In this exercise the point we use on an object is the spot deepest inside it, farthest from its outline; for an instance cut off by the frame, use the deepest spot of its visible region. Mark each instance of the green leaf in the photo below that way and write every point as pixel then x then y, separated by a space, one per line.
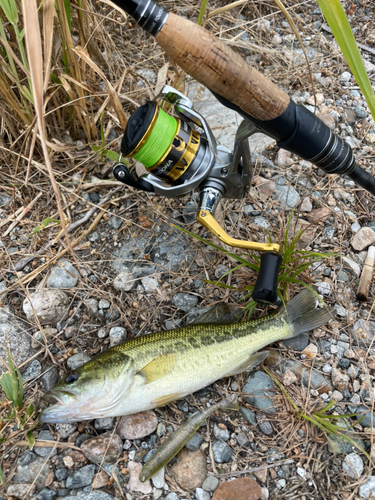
pixel 111 155
pixel 45 223
pixel 339 24
pixel 202 12
pixel 30 439
pixel 2 478
pixel 10 10
pixel 6 383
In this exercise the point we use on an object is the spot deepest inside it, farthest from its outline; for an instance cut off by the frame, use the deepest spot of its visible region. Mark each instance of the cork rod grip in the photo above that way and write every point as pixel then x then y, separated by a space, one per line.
pixel 212 63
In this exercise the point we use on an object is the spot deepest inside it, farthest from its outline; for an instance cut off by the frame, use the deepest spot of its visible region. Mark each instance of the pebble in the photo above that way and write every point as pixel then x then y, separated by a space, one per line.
pixel 61 474
pixel 360 111
pixel 81 477
pixel 222 434
pixel 100 480
pixel 368 417
pixel 105 448
pixel 339 380
pixel 171 496
pixel 50 306
pixel 77 360
pixel 185 301
pixel 323 288
pixel 298 343
pixel 150 284
pixel 306 205
pixel 221 270
pixel 92 495
pixel 105 423
pixel 242 440
pixel 210 483
pixel 124 281
pixel 327 368
pixel 104 304
pixel 201 494
pixel 353 266
pixel 46 494
pixel 190 469
pixel 288 196
pixel 262 222
pixel 32 371
pixel 63 275
pixel 337 396
pixel 222 452
pixel 257 386
pixel 5 200
pixel 20 490
pixel 367 489
pixel 137 426
pixel 283 158
pixel 158 479
pixel 194 442
pixel 115 222
pixel 248 415
pixel 92 305
pixel 134 482
pixel 45 451
pixel 117 334
pixel 50 378
pixel 353 466
pixel 289 378
pixel 264 425
pixel 364 238
pixel 238 489
pixel 277 40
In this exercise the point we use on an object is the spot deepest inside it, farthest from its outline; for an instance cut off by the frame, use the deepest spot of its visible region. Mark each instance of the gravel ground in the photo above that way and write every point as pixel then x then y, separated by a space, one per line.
pixel 135 274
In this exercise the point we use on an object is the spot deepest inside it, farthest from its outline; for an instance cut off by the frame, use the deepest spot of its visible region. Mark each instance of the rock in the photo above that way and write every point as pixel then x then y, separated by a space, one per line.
pixel 298 343
pixel 5 200
pixel 364 238
pixel 20 490
pixel 339 380
pixel 337 396
pixel 289 378
pixel 105 448
pixel 100 480
pixel 222 434
pixel 105 423
pixel 150 284
pixel 287 196
pixel 134 482
pixel 265 187
pixel 339 445
pixel 367 489
pixel 190 469
pixel 222 452
pixel 368 419
pixel 104 304
pixel 277 40
pixel 117 334
pixel 353 266
pixel 248 415
pixel 221 270
pixel 324 288
pixel 306 205
pixel 257 386
pixel 319 99
pixel 158 479
pixel 63 275
pixel 353 466
pixel 115 222
pixel 31 469
pixel 201 494
pixel 32 371
pixel 14 335
pixel 311 351
pixel 42 451
pixel 283 158
pixel 210 483
pixel 61 474
pixel 92 495
pixel 319 215
pixel 194 442
pixel 264 425
pixel 328 119
pixel 171 496
pixel 137 426
pixel 242 440
pixel 124 281
pixel 46 494
pixel 363 331
pixel 50 378
pixel 185 301
pixel 360 111
pixel 81 477
pixel 264 494
pixel 345 76
pixel 262 222
pixel 77 360
pixel 50 306
pixel 238 489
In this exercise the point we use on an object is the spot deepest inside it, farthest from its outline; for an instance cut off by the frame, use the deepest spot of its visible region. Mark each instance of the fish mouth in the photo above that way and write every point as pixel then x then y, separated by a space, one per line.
pixel 59 397
pixel 62 409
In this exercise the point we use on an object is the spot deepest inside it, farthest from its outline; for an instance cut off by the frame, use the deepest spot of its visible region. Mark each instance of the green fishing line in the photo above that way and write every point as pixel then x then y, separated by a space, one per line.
pixel 159 141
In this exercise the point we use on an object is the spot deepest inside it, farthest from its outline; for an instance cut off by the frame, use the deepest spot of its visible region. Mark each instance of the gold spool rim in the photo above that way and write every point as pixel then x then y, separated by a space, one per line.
pixel 170 147
pixel 143 141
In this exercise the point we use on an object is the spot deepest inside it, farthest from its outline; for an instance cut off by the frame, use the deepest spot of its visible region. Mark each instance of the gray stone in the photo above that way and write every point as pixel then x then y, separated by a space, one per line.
pixel 92 305
pixel 298 343
pixel 221 270
pixel 81 477
pixel 183 405
pixel 104 304
pixel 77 360
pixel 104 424
pixel 259 387
pixel 93 237
pixel 329 232
pixel 222 452
pixel 50 378
pixel 124 281
pixel 46 494
pixel 158 479
pixel 367 489
pixel 150 284
pixel 363 331
pixel 201 494
pixel 63 275
pixel 360 111
pixel 368 417
pixel 92 495
pixel 50 306
pixel 242 440
pixel 171 324
pixel 287 195
pixel 5 200
pixel 343 276
pixel 248 415
pixel 264 425
pixel 66 430
pixel 102 333
pixel 323 287
pixel 353 466
pixel 115 222
pixel 339 445
pixel 171 496
pixel 63 492
pixel 20 490
pixel 194 442
pixel 262 222
pixel 14 336
pixel 222 434
pixel 210 483
pixel 185 301
pixel 61 474
pixel 45 451
pixel 32 371
pixel 117 334
pixel 31 468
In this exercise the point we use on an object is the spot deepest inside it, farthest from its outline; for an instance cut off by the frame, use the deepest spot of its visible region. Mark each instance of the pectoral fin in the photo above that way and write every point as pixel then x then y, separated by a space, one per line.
pixel 158 368
pixel 249 363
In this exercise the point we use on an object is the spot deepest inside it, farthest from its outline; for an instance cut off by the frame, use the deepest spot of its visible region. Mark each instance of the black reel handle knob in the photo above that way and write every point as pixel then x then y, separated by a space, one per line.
pixel 265 289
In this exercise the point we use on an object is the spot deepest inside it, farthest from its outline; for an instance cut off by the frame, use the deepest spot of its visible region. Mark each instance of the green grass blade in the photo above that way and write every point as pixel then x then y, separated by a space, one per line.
pixel 202 12
pixel 339 24
pixel 2 478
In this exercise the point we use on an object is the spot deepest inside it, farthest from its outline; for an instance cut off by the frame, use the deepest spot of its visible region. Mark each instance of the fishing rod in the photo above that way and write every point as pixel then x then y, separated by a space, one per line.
pixel 181 159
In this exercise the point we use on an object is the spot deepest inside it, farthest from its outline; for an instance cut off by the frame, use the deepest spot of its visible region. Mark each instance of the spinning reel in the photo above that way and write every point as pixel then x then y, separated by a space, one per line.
pixel 180 159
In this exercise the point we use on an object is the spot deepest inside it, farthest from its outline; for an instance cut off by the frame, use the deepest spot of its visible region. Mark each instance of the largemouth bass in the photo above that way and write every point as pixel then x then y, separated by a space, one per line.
pixel 176 441
pixel 156 369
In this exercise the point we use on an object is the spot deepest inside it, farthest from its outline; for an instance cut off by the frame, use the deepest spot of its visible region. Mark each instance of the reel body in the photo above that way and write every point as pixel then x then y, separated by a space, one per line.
pixel 180 159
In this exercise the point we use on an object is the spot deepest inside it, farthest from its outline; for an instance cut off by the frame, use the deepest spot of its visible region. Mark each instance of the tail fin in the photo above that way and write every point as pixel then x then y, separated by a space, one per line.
pixel 302 315
pixel 230 403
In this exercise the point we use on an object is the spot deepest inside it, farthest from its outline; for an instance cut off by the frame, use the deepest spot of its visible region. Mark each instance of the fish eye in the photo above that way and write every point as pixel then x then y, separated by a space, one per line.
pixel 72 377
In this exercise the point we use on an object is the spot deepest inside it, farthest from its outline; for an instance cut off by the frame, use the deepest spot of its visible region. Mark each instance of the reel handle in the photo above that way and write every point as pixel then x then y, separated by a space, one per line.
pixel 265 289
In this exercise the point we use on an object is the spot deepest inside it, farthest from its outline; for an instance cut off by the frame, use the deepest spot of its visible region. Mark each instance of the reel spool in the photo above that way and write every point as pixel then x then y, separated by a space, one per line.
pixel 179 159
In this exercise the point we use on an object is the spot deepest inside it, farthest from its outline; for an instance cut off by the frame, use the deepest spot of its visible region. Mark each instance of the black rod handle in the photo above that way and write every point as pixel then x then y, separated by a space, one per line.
pixel 265 289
